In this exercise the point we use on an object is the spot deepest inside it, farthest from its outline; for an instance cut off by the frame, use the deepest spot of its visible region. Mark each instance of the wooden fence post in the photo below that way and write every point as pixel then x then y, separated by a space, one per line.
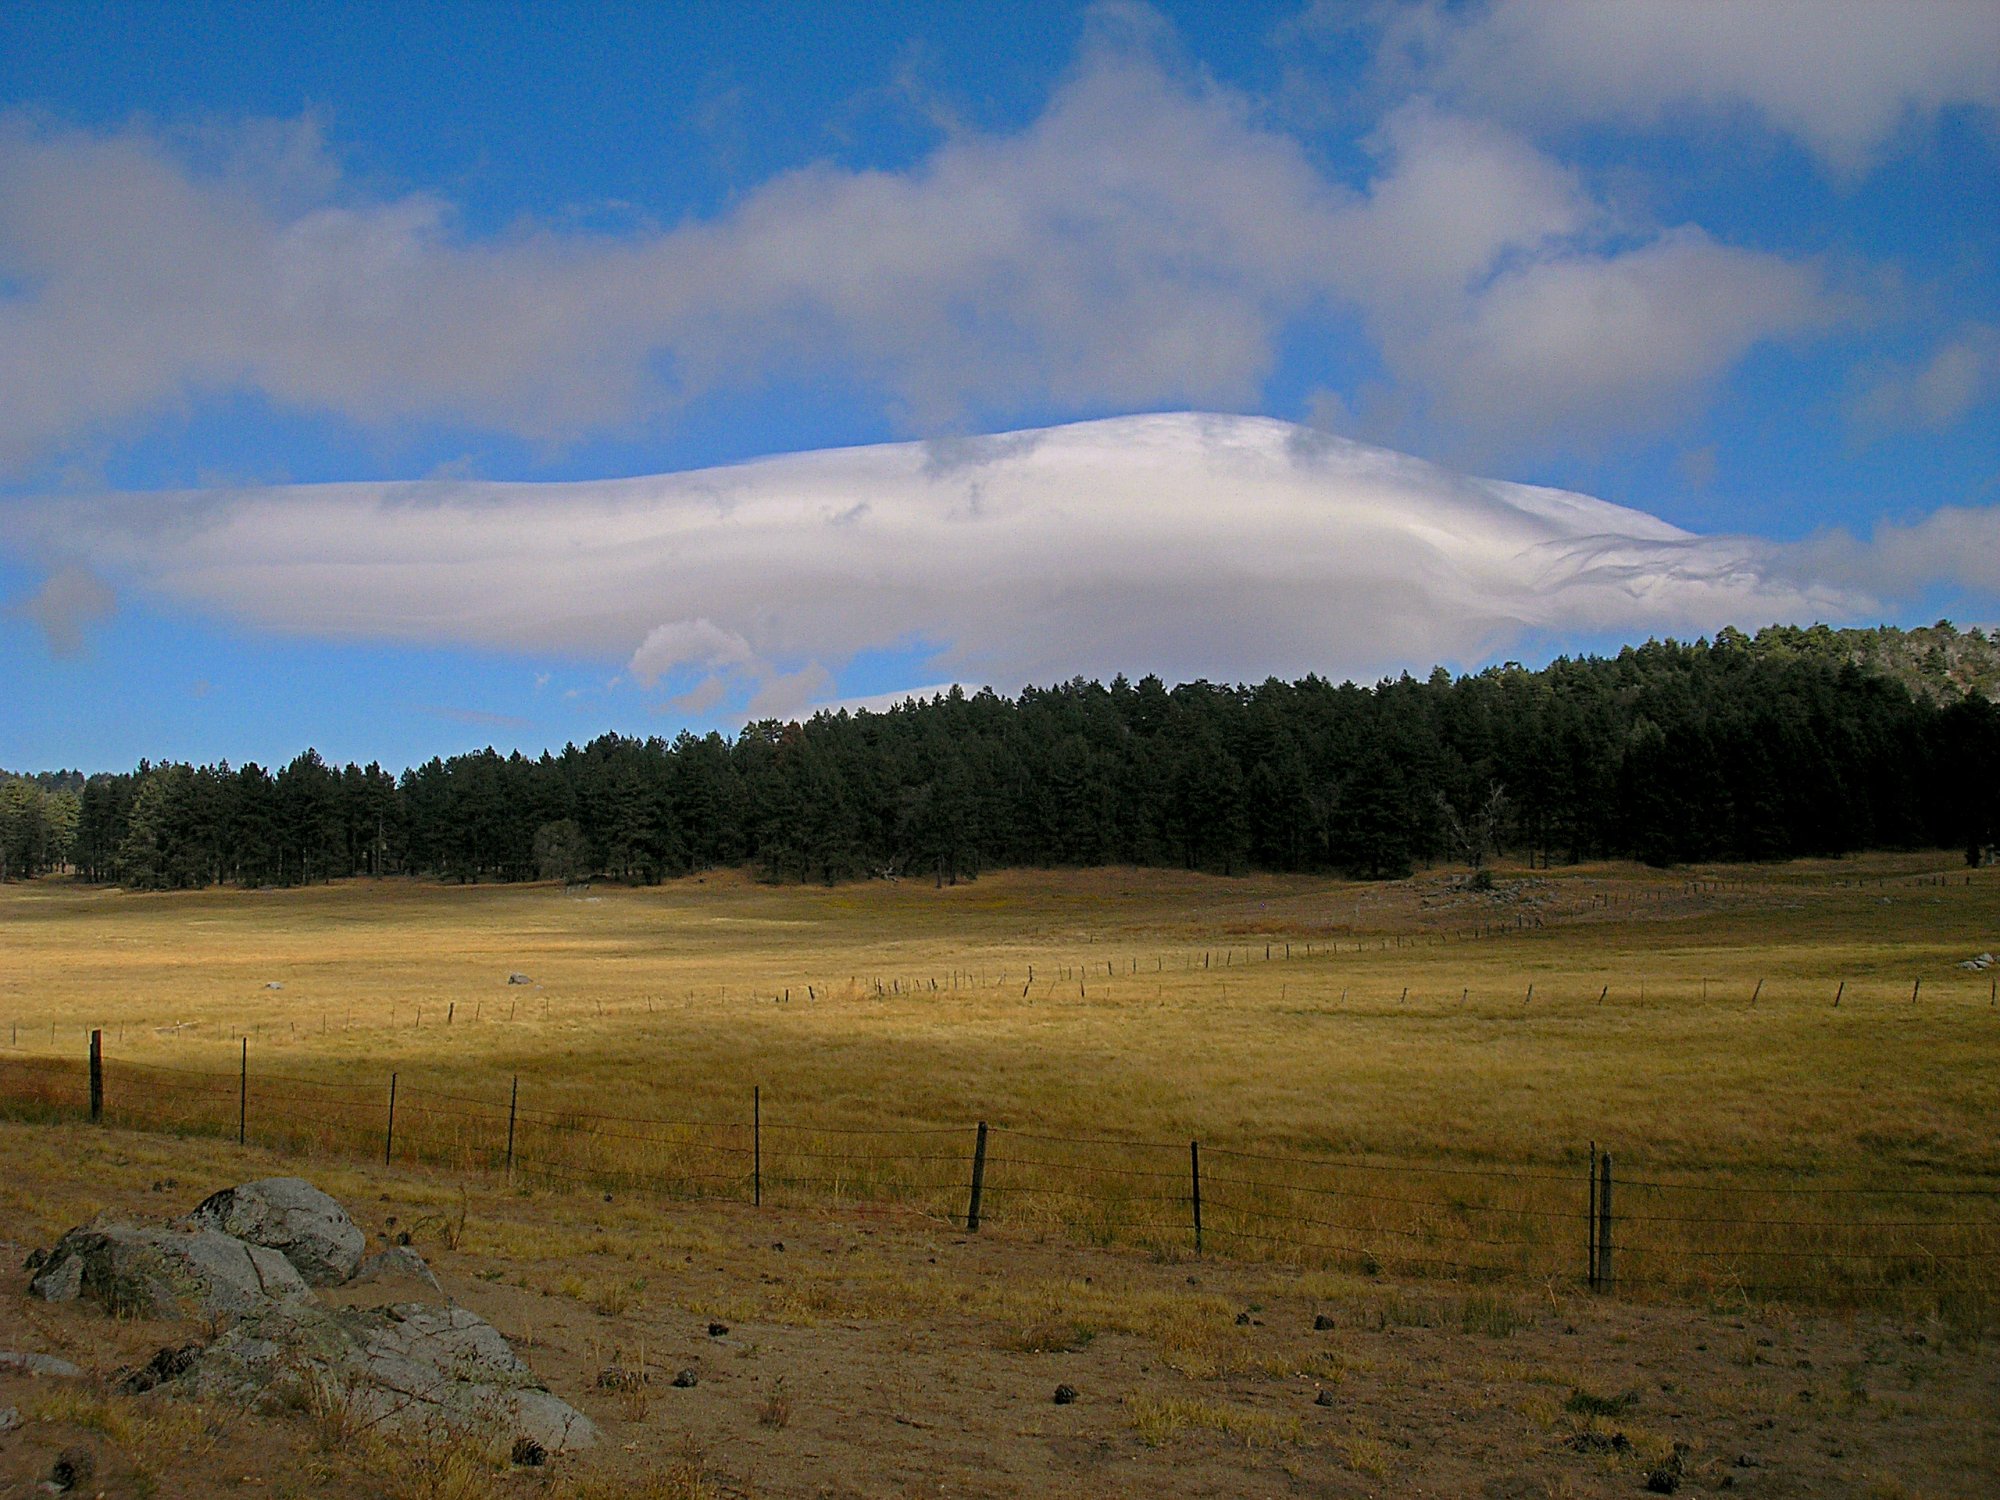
pixel 96 1077
pixel 389 1139
pixel 1194 1177
pixel 513 1105
pixel 243 1096
pixel 978 1179
pixel 1604 1274
pixel 757 1145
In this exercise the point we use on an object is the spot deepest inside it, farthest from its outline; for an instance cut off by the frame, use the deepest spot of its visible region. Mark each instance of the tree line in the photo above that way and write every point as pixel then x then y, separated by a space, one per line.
pixel 1741 748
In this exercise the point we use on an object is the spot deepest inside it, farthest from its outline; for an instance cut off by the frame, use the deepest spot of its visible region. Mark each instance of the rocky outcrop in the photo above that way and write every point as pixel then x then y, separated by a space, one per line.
pixel 243 1258
pixel 166 1271
pixel 294 1218
pixel 401 1368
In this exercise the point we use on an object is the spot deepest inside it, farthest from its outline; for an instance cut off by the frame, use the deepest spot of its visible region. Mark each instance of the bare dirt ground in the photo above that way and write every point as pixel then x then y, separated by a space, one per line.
pixel 879 1354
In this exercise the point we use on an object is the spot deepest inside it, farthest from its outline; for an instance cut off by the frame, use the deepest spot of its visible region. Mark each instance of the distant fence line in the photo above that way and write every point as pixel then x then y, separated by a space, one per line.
pixel 1916 1244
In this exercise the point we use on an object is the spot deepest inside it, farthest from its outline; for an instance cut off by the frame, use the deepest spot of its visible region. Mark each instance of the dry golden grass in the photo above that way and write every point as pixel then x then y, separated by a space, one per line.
pixel 1686 1021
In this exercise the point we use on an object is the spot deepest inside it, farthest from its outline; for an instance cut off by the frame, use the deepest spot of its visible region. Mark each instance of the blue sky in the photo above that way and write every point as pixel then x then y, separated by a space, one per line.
pixel 1734 266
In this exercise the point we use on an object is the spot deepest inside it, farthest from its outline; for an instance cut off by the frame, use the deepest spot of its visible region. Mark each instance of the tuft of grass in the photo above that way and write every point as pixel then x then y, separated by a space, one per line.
pixel 1583 1403
pixel 776 1409
pixel 1160 1420
pixel 82 1407
pixel 1492 1314
pixel 1048 1336
pixel 442 1463
pixel 684 1477
pixel 1365 1455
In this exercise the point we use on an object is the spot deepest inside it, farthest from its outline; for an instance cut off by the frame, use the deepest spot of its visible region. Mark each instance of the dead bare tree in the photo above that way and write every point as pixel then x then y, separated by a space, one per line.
pixel 1474 834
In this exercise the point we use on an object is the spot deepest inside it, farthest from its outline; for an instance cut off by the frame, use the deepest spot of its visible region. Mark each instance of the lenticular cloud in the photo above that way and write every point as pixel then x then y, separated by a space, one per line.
pixel 1223 547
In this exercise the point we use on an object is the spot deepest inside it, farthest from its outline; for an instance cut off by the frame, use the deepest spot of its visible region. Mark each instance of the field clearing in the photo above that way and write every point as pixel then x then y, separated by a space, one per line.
pixel 1686 1021
pixel 880 1354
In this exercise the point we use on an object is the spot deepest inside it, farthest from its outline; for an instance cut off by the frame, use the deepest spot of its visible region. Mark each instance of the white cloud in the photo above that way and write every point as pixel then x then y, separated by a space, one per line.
pixel 1496 286
pixel 1095 549
pixel 1599 344
pixel 1955 545
pixel 689 643
pixel 1145 241
pixel 1842 76
pixel 1961 374
pixel 70 600
pixel 881 703
pixel 788 695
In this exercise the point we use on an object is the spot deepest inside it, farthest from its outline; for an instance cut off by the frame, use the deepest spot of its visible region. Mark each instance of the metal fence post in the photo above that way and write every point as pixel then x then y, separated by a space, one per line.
pixel 1590 1215
pixel 389 1139
pixel 757 1145
pixel 243 1096
pixel 1605 1225
pixel 1194 1174
pixel 96 1077
pixel 513 1103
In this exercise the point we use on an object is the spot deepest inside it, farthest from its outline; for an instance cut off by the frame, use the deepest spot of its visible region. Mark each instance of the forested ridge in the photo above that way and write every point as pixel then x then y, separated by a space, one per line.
pixel 1740 748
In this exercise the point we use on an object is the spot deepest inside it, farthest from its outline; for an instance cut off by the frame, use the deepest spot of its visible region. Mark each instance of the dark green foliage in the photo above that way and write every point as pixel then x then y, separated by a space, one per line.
pixel 1741 749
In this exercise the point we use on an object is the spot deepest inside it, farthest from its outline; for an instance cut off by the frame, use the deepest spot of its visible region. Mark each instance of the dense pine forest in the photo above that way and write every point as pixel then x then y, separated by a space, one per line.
pixel 1794 742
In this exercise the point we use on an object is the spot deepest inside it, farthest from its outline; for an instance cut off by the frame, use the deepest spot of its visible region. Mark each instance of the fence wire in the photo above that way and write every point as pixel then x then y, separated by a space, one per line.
pixel 1912 1244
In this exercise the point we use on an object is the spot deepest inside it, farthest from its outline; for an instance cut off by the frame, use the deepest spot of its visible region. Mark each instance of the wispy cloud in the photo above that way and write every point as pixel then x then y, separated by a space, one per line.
pixel 70 601
pixel 475 716
pixel 1935 393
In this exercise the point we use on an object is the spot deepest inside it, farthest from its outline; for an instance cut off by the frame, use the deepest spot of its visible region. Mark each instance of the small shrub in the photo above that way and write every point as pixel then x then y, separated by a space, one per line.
pixel 777 1408
pixel 1584 1404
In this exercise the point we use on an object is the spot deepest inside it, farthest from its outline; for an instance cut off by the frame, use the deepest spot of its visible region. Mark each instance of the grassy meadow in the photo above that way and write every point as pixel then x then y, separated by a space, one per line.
pixel 1686 1021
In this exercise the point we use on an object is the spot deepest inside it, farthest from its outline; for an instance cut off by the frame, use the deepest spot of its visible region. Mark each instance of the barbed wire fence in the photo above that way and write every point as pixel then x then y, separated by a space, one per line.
pixel 1929 1246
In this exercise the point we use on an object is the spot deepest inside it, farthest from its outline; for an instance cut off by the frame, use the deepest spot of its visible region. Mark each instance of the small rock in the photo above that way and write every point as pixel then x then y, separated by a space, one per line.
pixel 272 984
pixel 1065 1394
pixel 519 979
pixel 36 1260
pixel 1322 1323
pixel 1243 1320
pixel 38 1364
pixel 1666 1478
pixel 398 1262
pixel 168 1363
pixel 1324 1398
pixel 718 1330
pixel 74 1467
pixel 687 1380
pixel 10 1418
pixel 529 1454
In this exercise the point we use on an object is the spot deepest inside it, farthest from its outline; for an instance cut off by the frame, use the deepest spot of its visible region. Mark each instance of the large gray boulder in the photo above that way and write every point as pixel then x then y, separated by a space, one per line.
pixel 407 1367
pixel 294 1218
pixel 166 1271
